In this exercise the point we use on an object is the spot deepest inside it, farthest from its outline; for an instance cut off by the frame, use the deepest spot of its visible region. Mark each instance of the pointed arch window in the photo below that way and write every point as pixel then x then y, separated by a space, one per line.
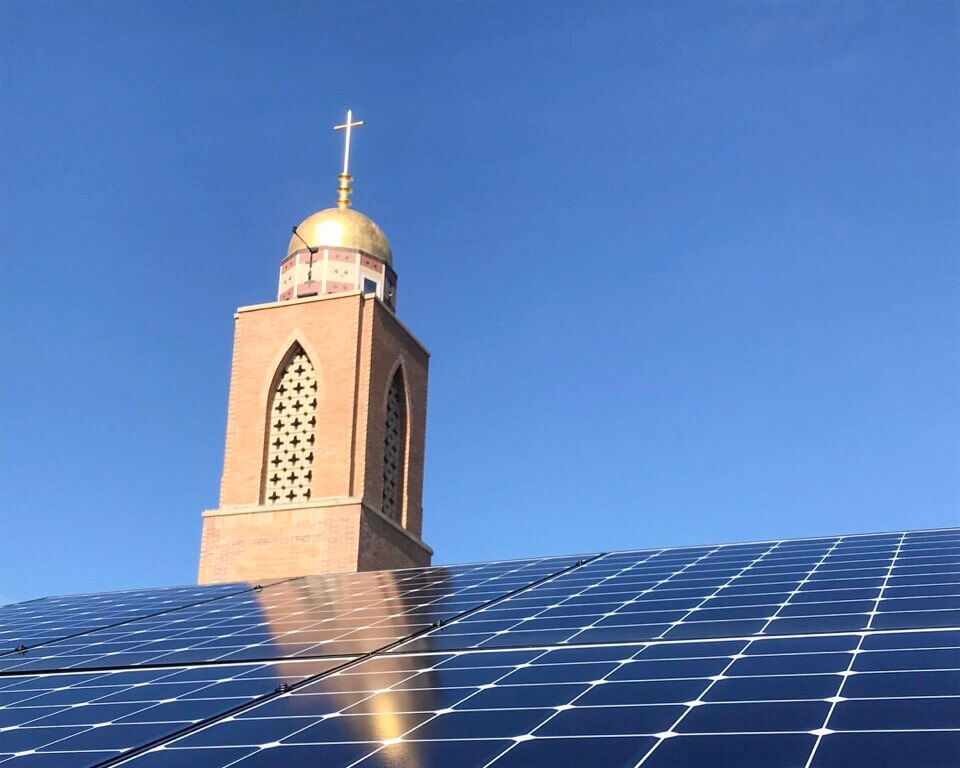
pixel 292 431
pixel 394 449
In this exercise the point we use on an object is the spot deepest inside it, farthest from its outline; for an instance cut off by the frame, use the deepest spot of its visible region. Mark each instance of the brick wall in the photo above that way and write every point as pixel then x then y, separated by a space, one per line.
pixel 355 345
pixel 266 543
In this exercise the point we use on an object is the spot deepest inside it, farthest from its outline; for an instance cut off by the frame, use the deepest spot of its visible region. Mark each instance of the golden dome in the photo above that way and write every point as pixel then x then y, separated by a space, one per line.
pixel 342 228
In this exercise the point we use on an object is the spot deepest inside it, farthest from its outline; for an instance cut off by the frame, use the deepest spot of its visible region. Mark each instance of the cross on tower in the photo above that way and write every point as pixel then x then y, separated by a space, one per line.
pixel 347 126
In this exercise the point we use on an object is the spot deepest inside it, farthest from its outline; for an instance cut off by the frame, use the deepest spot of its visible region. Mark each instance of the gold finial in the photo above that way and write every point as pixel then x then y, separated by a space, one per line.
pixel 344 190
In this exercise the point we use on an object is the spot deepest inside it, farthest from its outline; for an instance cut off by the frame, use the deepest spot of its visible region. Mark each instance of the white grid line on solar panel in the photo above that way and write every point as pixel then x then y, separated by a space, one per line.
pixel 68 652
pixel 257 604
pixel 678 576
pixel 100 715
pixel 861 548
pixel 886 580
pixel 753 596
pixel 745 607
pixel 823 728
pixel 861 537
pixel 861 540
pixel 386 701
pixel 800 585
pixel 49 618
pixel 315 615
pixel 598 567
pixel 699 606
pixel 122 606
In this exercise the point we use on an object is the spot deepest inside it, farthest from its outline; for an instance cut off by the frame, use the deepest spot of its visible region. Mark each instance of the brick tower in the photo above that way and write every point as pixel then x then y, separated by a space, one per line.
pixel 323 467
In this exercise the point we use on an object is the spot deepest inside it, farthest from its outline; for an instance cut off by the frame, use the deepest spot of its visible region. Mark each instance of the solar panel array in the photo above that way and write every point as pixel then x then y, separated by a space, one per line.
pixel 328 615
pixel 50 618
pixel 839 651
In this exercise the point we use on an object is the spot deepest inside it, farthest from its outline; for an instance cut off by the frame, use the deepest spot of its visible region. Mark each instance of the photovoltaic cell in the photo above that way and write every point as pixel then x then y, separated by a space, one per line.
pixel 839 584
pixel 51 618
pixel 79 719
pixel 744 702
pixel 329 615
pixel 839 651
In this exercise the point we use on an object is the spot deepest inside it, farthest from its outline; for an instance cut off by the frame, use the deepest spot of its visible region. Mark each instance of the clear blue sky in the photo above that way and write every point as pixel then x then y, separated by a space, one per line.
pixel 688 271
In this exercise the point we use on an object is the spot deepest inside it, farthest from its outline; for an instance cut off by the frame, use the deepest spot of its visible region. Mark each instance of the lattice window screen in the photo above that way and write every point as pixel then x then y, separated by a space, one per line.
pixel 394 443
pixel 292 435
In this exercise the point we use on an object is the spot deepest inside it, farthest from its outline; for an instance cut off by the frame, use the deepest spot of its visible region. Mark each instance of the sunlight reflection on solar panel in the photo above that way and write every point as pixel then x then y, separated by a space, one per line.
pixel 328 615
pixel 725 702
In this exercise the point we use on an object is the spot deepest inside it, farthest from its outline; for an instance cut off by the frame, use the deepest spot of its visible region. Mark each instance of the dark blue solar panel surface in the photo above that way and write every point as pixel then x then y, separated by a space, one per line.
pixel 839 584
pixel 80 719
pixel 329 615
pixel 52 618
pixel 744 702
pixel 841 651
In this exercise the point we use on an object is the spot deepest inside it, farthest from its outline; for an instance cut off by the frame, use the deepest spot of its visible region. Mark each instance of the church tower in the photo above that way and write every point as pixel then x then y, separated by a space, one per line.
pixel 323 467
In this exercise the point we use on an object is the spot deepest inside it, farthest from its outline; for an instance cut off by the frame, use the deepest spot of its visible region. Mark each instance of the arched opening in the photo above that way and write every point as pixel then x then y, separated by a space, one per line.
pixel 394 449
pixel 291 433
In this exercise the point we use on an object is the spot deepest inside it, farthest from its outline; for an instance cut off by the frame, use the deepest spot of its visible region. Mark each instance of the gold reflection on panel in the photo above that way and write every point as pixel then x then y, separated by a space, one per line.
pixel 301 613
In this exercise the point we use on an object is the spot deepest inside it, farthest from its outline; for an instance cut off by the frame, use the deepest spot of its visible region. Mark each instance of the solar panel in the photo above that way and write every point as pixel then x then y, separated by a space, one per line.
pixel 50 618
pixel 81 719
pixel 328 615
pixel 819 653
pixel 736 702
pixel 837 584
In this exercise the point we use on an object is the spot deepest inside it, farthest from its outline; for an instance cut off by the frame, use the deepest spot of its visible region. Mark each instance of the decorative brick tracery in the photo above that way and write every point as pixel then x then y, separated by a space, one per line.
pixel 292 432
pixel 394 449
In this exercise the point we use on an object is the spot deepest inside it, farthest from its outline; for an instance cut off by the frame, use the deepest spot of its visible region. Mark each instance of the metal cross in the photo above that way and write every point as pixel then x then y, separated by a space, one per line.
pixel 346 148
